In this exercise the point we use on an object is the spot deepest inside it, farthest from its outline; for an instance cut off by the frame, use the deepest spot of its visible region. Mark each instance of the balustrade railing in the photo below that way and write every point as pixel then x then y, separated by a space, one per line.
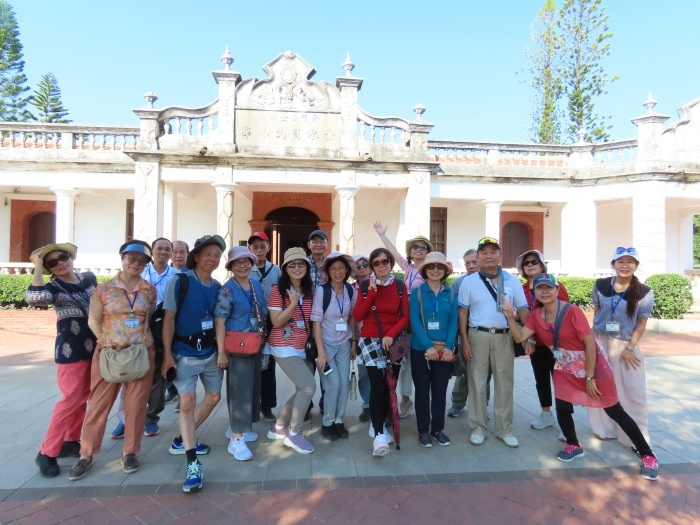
pixel 499 153
pixel 615 152
pixel 18 268
pixel 382 130
pixel 27 135
pixel 188 121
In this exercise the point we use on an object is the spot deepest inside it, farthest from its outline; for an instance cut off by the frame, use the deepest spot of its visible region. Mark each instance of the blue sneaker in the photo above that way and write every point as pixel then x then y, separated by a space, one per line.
pixel 151 429
pixel 118 432
pixel 195 474
pixel 177 447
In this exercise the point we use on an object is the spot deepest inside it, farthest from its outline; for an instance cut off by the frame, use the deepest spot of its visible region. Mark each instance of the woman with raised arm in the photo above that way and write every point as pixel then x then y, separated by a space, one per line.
pixel 582 375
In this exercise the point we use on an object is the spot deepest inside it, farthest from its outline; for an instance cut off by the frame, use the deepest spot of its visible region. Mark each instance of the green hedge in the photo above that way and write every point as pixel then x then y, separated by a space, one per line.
pixel 580 290
pixel 12 288
pixel 448 281
pixel 673 295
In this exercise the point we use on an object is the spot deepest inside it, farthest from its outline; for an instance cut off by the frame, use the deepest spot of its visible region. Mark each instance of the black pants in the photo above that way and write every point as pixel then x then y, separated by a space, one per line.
pixel 268 386
pixel 430 379
pixel 565 418
pixel 542 361
pixel 379 396
pixel 156 399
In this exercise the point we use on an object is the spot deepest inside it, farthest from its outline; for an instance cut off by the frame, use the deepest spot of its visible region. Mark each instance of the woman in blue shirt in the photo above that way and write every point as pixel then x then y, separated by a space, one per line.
pixel 433 307
pixel 240 307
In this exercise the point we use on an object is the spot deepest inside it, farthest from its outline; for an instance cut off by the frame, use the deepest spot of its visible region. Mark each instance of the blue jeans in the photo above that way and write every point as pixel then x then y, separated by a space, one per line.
pixel 430 379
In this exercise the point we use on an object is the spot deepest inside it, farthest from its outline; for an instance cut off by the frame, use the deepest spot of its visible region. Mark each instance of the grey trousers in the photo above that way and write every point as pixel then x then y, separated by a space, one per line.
pixel 336 385
pixel 300 372
pixel 156 399
pixel 243 392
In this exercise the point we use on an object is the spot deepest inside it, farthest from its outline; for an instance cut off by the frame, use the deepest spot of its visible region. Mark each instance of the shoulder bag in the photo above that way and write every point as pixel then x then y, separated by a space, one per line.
pixel 247 344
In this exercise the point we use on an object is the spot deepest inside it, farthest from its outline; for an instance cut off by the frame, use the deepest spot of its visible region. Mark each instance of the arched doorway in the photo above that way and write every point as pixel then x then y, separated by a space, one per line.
pixel 515 240
pixel 289 227
pixel 42 230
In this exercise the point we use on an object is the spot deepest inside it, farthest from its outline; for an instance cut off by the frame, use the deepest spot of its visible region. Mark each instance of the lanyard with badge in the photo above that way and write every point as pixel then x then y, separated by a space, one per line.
pixel 132 321
pixel 558 320
pixel 341 325
pixel 249 297
pixel 300 322
pixel 433 323
pixel 207 320
pixel 612 325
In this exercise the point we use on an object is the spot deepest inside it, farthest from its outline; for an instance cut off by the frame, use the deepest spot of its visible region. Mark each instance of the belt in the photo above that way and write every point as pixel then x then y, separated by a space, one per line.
pixel 491 330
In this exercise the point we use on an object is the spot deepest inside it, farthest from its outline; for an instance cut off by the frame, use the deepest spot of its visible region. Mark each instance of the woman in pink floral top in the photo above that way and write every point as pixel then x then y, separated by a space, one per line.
pixel 119 314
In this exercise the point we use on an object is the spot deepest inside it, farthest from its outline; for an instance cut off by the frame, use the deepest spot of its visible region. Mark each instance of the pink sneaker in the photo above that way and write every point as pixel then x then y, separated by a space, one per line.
pixel 650 468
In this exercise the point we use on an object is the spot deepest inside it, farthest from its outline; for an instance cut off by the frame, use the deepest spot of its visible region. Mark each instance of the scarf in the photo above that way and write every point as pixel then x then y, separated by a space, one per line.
pixel 499 289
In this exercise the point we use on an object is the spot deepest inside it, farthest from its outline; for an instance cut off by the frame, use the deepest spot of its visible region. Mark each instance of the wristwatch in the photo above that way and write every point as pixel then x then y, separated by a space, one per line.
pixel 590 378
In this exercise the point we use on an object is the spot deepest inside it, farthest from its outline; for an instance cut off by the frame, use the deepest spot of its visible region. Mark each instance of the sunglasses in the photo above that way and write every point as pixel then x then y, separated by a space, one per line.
pixel 299 264
pixel 362 266
pixel 134 259
pixel 383 262
pixel 620 251
pixel 531 262
pixel 434 266
pixel 421 247
pixel 63 257
pixel 487 240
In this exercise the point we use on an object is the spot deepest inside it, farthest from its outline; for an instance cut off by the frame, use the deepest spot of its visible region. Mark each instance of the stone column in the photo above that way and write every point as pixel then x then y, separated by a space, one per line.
pixel 150 129
pixel 224 221
pixel 685 259
pixel 493 219
pixel 346 230
pixel 169 211
pixel 649 225
pixel 349 86
pixel 419 135
pixel 65 213
pixel 649 128
pixel 227 81
pixel 416 209
pixel 148 202
pixel 578 237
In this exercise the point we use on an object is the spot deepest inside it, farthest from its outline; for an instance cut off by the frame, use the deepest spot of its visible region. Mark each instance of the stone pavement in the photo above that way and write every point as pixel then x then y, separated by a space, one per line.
pixel 342 483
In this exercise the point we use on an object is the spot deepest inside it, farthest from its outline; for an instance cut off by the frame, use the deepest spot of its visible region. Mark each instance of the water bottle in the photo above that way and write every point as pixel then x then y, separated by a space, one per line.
pixel 353 383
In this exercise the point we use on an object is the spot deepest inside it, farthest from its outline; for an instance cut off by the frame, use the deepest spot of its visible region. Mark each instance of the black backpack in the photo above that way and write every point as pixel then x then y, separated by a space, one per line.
pixel 159 313
pixel 327 294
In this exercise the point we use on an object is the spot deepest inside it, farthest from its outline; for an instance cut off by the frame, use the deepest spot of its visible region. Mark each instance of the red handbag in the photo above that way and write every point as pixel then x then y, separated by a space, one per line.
pixel 244 344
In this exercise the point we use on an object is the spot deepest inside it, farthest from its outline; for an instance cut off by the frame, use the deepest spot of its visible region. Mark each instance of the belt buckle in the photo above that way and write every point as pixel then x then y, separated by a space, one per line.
pixel 492 330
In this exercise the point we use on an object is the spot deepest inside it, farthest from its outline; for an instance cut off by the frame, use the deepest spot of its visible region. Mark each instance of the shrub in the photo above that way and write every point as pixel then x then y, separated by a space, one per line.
pixel 673 295
pixel 448 281
pixel 580 290
pixel 12 288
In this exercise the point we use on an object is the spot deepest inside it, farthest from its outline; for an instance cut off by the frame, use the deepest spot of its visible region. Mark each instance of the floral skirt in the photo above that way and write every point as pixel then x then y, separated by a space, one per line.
pixel 569 379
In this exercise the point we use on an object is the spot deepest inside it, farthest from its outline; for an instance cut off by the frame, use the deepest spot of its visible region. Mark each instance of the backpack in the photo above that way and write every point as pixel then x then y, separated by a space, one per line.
pixel 327 294
pixel 156 323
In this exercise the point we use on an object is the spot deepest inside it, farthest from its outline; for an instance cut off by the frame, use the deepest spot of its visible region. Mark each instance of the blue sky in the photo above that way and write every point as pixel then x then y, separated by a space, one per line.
pixel 458 58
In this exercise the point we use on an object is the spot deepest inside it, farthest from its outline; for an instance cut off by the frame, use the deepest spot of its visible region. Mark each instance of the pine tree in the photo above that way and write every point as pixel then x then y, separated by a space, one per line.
pixel 47 99
pixel 584 28
pixel 12 78
pixel 545 70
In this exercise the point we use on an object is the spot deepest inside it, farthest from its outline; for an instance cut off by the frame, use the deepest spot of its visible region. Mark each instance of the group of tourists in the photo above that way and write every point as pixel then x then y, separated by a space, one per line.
pixel 163 323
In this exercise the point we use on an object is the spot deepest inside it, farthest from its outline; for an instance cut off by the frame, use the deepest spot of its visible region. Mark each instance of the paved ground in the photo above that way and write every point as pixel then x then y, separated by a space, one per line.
pixel 342 483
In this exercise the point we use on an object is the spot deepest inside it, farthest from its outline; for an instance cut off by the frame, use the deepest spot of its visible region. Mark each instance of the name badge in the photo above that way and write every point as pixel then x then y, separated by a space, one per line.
pixel 558 354
pixel 253 322
pixel 341 326
pixel 433 325
pixel 131 322
pixel 300 324
pixel 207 324
pixel 612 326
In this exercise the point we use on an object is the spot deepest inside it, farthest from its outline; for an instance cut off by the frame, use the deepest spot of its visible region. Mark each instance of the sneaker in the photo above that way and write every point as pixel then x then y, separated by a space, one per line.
pixel 118 432
pixel 455 411
pixel 177 447
pixel 130 463
pixel 570 452
pixel 341 430
pixel 238 448
pixel 364 415
pixel 510 441
pixel 151 429
pixel 267 414
pixel 389 438
pixel 247 436
pixel 177 407
pixel 277 433
pixel 329 432
pixel 381 446
pixel 404 408
pixel 543 420
pixel 48 466
pixel 70 449
pixel 171 397
pixel 425 441
pixel 79 469
pixel 195 475
pixel 476 439
pixel 298 442
pixel 440 437
pixel 650 468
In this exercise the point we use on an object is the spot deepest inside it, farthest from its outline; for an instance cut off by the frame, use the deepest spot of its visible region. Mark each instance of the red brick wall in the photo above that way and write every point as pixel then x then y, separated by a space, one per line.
pixel 21 213
pixel 534 221
pixel 30 321
pixel 265 202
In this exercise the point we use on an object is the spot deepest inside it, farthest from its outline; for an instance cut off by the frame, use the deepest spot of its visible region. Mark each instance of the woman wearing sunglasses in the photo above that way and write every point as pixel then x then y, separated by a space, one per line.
pixel 70 294
pixel 417 248
pixel 290 306
pixel 530 265
pixel 622 306
pixel 381 324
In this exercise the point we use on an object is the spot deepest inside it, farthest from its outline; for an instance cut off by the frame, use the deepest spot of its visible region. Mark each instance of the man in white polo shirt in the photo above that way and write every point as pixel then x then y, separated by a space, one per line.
pixel 487 341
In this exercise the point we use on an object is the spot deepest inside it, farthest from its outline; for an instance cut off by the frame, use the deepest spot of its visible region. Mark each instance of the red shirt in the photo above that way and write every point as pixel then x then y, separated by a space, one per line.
pixel 573 328
pixel 296 336
pixel 386 301
pixel 533 303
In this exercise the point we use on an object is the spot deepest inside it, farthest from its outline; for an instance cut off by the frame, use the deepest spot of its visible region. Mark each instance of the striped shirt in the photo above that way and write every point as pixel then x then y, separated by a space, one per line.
pixel 290 339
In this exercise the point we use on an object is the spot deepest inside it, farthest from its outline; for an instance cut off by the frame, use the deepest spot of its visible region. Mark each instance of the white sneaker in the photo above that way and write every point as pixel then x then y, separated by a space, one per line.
pixel 381 446
pixel 476 439
pixel 247 436
pixel 239 450
pixel 544 420
pixel 405 408
pixel 389 438
pixel 510 441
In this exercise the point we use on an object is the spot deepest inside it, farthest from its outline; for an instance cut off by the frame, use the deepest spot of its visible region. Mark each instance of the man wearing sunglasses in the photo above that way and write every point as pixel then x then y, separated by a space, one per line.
pixel 486 341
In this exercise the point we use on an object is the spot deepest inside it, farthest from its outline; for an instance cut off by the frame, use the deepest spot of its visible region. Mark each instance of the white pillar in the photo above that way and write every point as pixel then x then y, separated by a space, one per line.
pixel 685 235
pixel 65 213
pixel 346 224
pixel 578 237
pixel 224 219
pixel 415 218
pixel 649 225
pixel 148 202
pixel 493 219
pixel 169 211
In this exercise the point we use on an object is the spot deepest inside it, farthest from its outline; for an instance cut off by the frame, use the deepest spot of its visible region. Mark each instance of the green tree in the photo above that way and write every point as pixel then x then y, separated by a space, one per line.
pixel 12 78
pixel 584 27
pixel 47 100
pixel 696 241
pixel 545 69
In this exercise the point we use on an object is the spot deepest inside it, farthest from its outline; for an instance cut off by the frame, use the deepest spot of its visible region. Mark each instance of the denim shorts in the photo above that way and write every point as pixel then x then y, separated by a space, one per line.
pixel 191 368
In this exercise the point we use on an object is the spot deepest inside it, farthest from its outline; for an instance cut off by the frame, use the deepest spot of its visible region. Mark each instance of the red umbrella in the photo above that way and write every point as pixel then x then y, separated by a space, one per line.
pixel 391 378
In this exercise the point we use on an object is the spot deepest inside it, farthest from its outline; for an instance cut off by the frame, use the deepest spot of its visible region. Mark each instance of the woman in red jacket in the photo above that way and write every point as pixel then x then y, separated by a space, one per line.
pixel 379 312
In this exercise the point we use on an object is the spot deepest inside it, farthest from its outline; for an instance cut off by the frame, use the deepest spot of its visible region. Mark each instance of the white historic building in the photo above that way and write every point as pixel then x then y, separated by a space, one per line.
pixel 287 154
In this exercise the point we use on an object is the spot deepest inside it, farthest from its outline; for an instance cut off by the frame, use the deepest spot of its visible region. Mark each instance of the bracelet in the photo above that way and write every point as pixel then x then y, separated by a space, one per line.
pixel 532 341
pixel 590 378
pixel 628 348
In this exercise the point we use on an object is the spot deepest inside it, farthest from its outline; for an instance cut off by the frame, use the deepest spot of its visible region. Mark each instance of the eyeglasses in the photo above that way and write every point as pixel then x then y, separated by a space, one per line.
pixel 531 262
pixel 135 259
pixel 487 240
pixel 62 257
pixel 299 264
pixel 362 266
pixel 620 251
pixel 421 247
pixel 241 262
pixel 434 266
pixel 383 262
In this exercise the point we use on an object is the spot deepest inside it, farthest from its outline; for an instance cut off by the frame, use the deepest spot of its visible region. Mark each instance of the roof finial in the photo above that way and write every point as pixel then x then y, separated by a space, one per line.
pixel 227 59
pixel 419 110
pixel 582 132
pixel 649 103
pixel 150 98
pixel 348 66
